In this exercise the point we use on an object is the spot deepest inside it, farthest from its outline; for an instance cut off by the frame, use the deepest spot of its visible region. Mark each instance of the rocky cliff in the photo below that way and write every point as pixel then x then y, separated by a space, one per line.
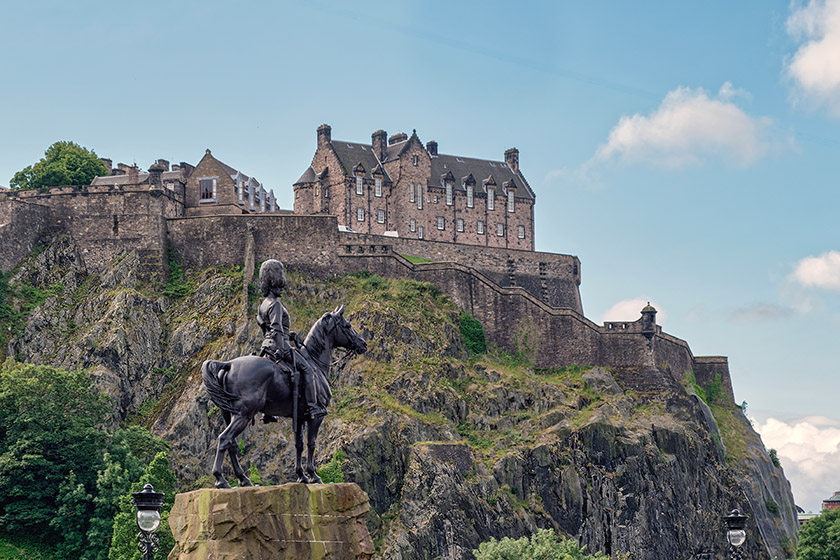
pixel 451 448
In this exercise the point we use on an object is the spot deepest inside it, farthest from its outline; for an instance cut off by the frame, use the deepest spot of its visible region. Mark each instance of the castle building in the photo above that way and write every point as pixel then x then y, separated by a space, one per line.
pixel 214 187
pixel 398 187
pixel 832 502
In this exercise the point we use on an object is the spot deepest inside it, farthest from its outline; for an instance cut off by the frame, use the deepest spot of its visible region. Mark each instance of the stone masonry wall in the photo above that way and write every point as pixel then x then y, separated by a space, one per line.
pixel 706 368
pixel 21 226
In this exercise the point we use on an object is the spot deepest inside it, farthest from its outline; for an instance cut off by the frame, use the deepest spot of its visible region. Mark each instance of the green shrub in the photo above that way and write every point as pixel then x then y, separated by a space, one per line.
pixel 819 538
pixel 473 334
pixel 774 457
pixel 772 507
pixel 332 471
pixel 542 545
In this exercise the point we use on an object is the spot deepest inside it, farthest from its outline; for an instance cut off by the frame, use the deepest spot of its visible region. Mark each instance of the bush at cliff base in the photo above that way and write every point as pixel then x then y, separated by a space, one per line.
pixel 819 538
pixel 542 545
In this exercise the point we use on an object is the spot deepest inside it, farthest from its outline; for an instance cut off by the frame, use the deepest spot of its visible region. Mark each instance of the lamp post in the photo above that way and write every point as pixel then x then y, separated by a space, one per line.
pixel 148 504
pixel 735 534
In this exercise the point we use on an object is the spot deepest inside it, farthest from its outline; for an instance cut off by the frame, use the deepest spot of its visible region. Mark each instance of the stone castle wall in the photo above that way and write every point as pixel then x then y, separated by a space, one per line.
pixel 22 225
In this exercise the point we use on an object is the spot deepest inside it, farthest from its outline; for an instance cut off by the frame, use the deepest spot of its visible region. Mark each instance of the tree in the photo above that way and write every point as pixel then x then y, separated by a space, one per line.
pixel 542 545
pixel 64 163
pixel 819 538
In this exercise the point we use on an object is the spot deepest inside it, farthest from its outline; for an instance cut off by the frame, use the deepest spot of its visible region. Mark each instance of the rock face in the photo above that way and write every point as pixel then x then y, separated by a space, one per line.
pixel 451 449
pixel 292 521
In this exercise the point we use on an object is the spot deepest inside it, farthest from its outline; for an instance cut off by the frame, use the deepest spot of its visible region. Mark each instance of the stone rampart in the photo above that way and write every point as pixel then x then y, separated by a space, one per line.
pixel 22 225
pixel 706 370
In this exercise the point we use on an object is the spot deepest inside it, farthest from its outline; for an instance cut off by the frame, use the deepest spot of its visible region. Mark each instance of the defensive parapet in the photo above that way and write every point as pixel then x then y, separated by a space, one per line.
pixel 22 225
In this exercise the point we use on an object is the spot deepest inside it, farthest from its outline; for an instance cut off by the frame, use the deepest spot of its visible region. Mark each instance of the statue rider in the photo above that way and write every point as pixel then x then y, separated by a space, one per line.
pixel 273 319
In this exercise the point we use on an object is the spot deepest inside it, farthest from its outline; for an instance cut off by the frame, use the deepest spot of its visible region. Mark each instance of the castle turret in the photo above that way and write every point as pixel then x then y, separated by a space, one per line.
pixel 649 320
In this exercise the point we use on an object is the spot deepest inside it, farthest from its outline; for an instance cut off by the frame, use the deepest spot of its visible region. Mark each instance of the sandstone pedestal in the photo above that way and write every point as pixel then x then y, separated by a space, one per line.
pixel 292 521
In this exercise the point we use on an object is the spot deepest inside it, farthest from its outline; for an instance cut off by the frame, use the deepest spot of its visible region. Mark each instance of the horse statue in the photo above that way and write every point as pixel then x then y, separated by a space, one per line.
pixel 248 385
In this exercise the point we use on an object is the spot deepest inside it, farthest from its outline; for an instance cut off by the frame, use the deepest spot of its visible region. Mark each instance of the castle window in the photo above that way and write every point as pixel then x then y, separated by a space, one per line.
pixel 491 199
pixel 378 187
pixel 510 200
pixel 434 199
pixel 207 189
pixel 415 159
pixel 327 192
pixel 420 232
pixel 419 196
pixel 411 193
pixel 449 194
pixel 470 195
pixel 360 214
pixel 412 226
pixel 479 229
pixel 500 230
pixel 380 216
pixel 521 232
pixel 359 186
pixel 459 224
pixel 441 223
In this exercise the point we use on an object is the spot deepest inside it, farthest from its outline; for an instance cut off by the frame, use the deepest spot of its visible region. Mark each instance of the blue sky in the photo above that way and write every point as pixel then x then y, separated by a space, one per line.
pixel 687 153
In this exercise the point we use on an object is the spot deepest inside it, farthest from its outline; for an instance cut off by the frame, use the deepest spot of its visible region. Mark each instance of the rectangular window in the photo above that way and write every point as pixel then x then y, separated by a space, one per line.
pixel 420 232
pixel 412 226
pixel 521 232
pixel 411 192
pixel 449 194
pixel 415 160
pixel 378 187
pixel 459 224
pixel 500 230
pixel 491 199
pixel 207 188
pixel 510 201
pixel 434 199
pixel 359 186
pixel 360 214
pixel 480 228
pixel 470 201
pixel 326 192
pixel 419 196
pixel 380 216
pixel 440 222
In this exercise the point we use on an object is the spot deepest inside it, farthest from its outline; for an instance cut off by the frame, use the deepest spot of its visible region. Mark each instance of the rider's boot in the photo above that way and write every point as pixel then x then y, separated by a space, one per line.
pixel 313 409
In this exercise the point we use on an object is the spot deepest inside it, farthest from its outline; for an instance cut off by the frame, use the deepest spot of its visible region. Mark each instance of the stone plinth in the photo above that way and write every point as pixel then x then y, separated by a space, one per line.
pixel 294 521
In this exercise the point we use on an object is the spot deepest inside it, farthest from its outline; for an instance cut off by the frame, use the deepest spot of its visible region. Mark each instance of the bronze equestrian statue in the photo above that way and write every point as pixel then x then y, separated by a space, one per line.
pixel 246 386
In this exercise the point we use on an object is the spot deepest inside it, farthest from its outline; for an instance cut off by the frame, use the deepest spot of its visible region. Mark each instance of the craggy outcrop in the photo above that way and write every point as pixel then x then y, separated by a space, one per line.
pixel 451 449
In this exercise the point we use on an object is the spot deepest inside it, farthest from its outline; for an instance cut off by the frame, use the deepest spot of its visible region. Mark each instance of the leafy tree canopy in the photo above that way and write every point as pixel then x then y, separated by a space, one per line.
pixel 542 545
pixel 64 163
pixel 819 538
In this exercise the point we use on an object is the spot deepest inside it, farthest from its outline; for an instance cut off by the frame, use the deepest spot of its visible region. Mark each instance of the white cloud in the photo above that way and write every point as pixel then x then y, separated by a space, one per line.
pixel 688 127
pixel 815 66
pixel 809 450
pixel 631 310
pixel 819 272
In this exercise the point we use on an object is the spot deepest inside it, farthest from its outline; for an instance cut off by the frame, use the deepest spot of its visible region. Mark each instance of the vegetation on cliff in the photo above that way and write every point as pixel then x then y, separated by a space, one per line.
pixel 64 163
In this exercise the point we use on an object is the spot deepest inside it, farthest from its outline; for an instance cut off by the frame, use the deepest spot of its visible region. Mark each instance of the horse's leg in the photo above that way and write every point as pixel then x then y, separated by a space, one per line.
pixel 220 456
pixel 227 440
pixel 243 479
pixel 301 477
pixel 311 437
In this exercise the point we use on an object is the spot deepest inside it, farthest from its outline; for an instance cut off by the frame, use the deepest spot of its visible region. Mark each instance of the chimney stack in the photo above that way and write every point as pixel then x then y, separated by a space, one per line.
pixel 164 163
pixel 324 135
pixel 132 174
pixel 155 173
pixel 398 137
pixel 122 169
pixel 378 141
pixel 512 159
pixel 431 147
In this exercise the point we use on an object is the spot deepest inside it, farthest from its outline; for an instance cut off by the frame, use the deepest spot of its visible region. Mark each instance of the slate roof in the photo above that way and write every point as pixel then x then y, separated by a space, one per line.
pixel 142 177
pixel 309 176
pixel 835 497
pixel 481 169
pixel 350 154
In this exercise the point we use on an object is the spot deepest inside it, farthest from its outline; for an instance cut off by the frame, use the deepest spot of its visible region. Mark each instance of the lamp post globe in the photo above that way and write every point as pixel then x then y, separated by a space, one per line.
pixel 148 504
pixel 735 533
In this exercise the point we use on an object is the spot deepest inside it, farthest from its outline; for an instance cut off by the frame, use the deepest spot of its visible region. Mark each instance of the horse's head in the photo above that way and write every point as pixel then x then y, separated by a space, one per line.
pixel 344 335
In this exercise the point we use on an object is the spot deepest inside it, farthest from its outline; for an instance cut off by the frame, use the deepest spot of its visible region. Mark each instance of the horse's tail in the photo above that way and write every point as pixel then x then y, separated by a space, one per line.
pixel 210 370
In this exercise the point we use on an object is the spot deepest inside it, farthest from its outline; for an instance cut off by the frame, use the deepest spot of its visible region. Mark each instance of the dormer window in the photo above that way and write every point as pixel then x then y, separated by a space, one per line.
pixel 449 194
pixel 359 185
pixel 377 187
pixel 470 196
pixel 510 200
pixel 491 199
